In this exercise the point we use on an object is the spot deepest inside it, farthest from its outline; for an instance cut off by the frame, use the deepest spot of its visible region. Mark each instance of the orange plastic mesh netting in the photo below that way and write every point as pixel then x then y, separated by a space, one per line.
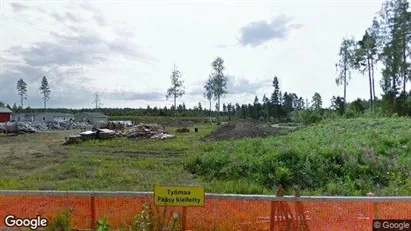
pixel 217 214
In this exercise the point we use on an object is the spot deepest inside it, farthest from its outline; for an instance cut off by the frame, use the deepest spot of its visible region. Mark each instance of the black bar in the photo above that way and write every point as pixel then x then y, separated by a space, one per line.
pixel 391 225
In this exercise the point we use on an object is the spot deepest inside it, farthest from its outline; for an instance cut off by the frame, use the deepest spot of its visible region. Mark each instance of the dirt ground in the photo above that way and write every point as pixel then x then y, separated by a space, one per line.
pixel 245 129
pixel 27 154
pixel 40 161
pixel 41 142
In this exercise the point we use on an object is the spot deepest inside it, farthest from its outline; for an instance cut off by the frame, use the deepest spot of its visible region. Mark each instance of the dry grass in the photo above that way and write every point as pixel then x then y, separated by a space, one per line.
pixel 39 161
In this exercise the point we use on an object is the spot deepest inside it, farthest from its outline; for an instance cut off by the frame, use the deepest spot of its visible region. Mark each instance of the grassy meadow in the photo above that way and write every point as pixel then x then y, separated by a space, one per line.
pixel 341 157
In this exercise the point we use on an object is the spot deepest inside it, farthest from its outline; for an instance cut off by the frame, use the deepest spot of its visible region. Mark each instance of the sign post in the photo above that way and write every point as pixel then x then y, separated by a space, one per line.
pixel 179 196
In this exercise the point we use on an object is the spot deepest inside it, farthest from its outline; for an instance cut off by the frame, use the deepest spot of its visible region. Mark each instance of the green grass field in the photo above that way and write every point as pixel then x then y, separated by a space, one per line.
pixel 341 157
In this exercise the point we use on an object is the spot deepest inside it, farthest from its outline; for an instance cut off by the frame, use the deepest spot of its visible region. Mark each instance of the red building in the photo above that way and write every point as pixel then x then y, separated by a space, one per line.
pixel 4 114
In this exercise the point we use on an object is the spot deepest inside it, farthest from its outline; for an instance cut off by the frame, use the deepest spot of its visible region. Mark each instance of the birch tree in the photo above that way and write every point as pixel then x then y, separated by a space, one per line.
pixel 177 89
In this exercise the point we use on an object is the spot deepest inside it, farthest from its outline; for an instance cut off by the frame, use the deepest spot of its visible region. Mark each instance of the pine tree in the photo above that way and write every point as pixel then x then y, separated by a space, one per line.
pixel 276 97
pixel 22 90
pixel 346 63
pixel 45 90
pixel 317 101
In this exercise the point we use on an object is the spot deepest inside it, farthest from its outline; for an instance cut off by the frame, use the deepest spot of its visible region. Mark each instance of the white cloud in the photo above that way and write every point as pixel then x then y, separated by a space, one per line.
pixel 259 32
pixel 127 51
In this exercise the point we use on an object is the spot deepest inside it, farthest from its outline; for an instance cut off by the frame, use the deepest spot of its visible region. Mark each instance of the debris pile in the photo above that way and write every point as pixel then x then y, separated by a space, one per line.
pixel 146 131
pixel 30 127
pixel 73 139
pixel 93 134
pixel 139 131
pixel 121 123
pixel 99 134
pixel 113 126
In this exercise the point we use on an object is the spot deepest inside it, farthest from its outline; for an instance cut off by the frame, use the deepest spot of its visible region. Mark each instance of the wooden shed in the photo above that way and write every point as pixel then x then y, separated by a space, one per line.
pixel 5 114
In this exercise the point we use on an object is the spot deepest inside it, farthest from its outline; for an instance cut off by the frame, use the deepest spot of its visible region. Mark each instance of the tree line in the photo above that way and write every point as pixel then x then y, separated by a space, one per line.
pixel 278 106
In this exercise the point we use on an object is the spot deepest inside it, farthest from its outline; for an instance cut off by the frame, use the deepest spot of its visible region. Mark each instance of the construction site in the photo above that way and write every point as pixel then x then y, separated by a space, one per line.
pixel 210 116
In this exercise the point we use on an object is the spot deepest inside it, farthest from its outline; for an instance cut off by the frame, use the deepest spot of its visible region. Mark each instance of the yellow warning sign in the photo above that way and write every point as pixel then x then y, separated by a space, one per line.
pixel 186 196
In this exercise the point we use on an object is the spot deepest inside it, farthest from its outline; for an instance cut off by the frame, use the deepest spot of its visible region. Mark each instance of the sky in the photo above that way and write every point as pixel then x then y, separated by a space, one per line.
pixel 126 50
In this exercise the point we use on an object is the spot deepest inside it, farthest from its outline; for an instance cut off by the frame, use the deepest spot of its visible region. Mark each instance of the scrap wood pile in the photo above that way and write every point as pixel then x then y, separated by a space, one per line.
pixel 115 125
pixel 139 131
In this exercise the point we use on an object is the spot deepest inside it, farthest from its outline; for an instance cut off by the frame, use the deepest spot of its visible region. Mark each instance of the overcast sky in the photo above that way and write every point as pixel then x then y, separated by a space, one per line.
pixel 126 50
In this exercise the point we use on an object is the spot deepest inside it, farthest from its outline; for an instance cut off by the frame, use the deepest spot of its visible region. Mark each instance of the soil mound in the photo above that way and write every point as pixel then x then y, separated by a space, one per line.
pixel 244 129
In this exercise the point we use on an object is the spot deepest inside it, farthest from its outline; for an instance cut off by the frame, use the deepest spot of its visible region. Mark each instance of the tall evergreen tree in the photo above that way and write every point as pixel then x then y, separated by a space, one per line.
pixel 22 90
pixel 317 101
pixel 45 90
pixel 256 108
pixel 238 110
pixel 229 109
pixel 288 102
pixel 266 105
pixel 276 97
pixel 394 31
pixel 346 63
pixel 365 60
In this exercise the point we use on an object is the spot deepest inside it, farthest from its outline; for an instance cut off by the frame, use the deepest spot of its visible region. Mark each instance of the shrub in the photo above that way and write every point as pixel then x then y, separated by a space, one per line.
pixel 361 154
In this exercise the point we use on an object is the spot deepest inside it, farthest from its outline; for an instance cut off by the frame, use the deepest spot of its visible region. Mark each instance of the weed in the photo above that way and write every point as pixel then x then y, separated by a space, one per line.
pixel 61 222
pixel 149 220
pixel 103 225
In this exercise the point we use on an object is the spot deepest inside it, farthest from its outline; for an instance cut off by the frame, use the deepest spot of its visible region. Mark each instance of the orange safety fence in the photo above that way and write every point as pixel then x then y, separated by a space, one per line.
pixel 221 212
